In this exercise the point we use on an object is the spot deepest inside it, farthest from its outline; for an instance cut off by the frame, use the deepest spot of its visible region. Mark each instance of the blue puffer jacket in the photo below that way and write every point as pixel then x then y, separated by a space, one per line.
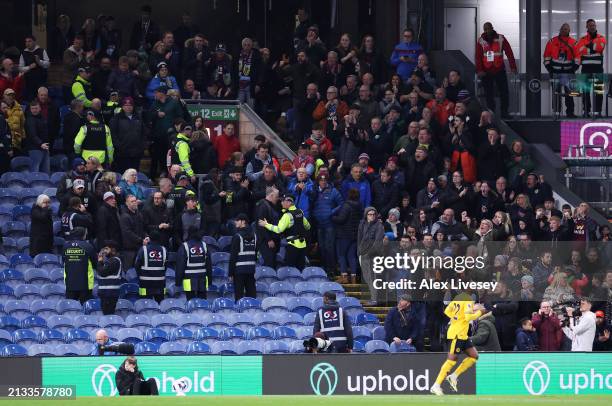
pixel 156 82
pixel 326 203
pixel 412 50
pixel 302 197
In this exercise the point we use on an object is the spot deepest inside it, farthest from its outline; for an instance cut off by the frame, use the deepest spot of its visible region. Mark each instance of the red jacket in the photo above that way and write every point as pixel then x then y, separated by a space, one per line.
pixel 561 56
pixel 225 147
pixel 325 145
pixel 591 57
pixel 497 47
pixel 441 111
pixel 15 83
pixel 549 332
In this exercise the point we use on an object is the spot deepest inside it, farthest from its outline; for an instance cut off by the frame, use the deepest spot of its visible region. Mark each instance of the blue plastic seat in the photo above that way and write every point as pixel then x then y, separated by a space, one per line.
pixel 146 307
pixel 21 164
pixel 248 305
pixel 378 333
pixel 41 350
pixel 223 348
pixel 227 291
pixel 28 292
pixel 358 347
pixel 198 306
pixel 86 348
pixel 124 307
pixel 223 305
pixel 34 323
pixel 22 213
pixel 39 180
pixel 60 322
pixel 17 308
pixel 129 335
pixel 289 274
pixel 206 334
pixel 283 332
pixel 332 287
pixel 36 276
pixel 156 335
pixel 8 197
pixel 9 323
pixel 267 320
pixel 23 245
pixel 303 332
pixel 310 318
pixel 56 177
pixel 307 289
pixel 292 320
pixel 13 180
pixel 220 276
pixel 249 348
pixel 172 348
pixel 181 334
pixel 146 348
pixel 138 320
pixel 27 197
pixel 367 320
pixel 314 274
pixel 215 320
pixel 299 305
pixel 25 337
pixel 374 346
pixel 198 347
pixel 87 322
pixel 401 347
pixel 190 321
pixel 47 261
pixel 265 274
pixel 77 336
pixel 56 275
pixel 21 263
pixel 296 347
pixel 129 291
pixel 13 350
pixel 240 320
pixel 165 322
pixel 276 347
pixel 219 258
pixel 69 307
pixel 224 243
pixel 172 306
pixel 282 289
pixel 6 292
pixel 53 291
pixel 93 306
pixel 258 333
pixel 66 349
pixel 362 334
pixel 9 245
pixel 111 321
pixel 231 334
pixel 5 337
pixel 274 304
pixel 11 277
pixel 262 289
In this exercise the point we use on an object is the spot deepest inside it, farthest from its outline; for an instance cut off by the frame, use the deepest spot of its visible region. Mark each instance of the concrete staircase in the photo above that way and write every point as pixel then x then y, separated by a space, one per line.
pixel 361 292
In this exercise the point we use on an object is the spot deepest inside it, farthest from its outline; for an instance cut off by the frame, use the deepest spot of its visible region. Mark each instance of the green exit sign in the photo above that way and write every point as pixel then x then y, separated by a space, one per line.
pixel 212 112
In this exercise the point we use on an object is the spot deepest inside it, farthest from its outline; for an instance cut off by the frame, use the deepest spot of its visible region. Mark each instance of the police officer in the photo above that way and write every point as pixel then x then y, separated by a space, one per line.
pixel 193 265
pixel 292 225
pixel 94 139
pixel 76 216
pixel 180 192
pixel 243 258
pixel 562 60
pixel 150 266
pixel 109 276
pixel 180 149
pixel 332 321
pixel 81 87
pixel 79 259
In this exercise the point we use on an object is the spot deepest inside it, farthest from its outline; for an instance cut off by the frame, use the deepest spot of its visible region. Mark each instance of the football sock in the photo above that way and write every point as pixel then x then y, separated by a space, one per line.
pixel 446 368
pixel 465 365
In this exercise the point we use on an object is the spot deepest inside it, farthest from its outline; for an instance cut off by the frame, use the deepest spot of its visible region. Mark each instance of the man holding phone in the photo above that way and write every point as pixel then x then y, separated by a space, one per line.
pixel 130 380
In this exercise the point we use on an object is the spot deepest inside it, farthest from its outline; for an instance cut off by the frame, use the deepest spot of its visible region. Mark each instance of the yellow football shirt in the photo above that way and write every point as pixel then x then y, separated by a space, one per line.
pixel 460 312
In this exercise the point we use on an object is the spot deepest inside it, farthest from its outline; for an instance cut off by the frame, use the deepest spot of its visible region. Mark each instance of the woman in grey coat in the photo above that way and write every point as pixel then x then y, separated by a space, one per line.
pixel 370 237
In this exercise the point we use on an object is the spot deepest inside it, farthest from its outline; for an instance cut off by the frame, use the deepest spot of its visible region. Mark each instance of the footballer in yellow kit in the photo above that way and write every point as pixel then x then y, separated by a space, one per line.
pixel 460 311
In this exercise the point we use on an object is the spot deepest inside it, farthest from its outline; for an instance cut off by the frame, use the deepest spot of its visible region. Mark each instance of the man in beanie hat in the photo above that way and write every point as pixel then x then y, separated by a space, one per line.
pixel 294 226
pixel 127 129
pixel 79 171
pixel 163 78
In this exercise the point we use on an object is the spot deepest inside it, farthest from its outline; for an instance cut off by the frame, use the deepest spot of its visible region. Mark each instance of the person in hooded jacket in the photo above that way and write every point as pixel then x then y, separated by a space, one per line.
pixel 203 156
pixel 526 336
pixel 370 237
pixel 130 380
pixel 485 335
pixel 128 133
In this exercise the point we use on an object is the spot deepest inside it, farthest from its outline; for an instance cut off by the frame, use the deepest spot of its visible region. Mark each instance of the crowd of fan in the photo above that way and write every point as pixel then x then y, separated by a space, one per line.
pixel 387 150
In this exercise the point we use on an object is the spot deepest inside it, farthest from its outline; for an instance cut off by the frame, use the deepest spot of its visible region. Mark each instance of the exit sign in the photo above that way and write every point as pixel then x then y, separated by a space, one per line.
pixel 214 112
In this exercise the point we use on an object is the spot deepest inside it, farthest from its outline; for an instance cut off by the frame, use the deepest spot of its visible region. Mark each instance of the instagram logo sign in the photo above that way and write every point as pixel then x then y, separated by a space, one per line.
pixel 586 133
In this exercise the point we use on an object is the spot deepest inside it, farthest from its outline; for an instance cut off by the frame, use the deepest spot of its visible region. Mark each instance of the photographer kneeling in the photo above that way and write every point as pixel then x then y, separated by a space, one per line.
pixel 130 380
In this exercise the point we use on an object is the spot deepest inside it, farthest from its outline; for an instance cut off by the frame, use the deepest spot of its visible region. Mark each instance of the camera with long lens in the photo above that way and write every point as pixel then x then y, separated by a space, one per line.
pixel 119 348
pixel 317 344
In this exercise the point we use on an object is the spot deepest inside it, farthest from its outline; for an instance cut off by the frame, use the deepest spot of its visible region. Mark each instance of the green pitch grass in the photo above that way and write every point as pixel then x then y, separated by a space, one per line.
pixel 333 401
